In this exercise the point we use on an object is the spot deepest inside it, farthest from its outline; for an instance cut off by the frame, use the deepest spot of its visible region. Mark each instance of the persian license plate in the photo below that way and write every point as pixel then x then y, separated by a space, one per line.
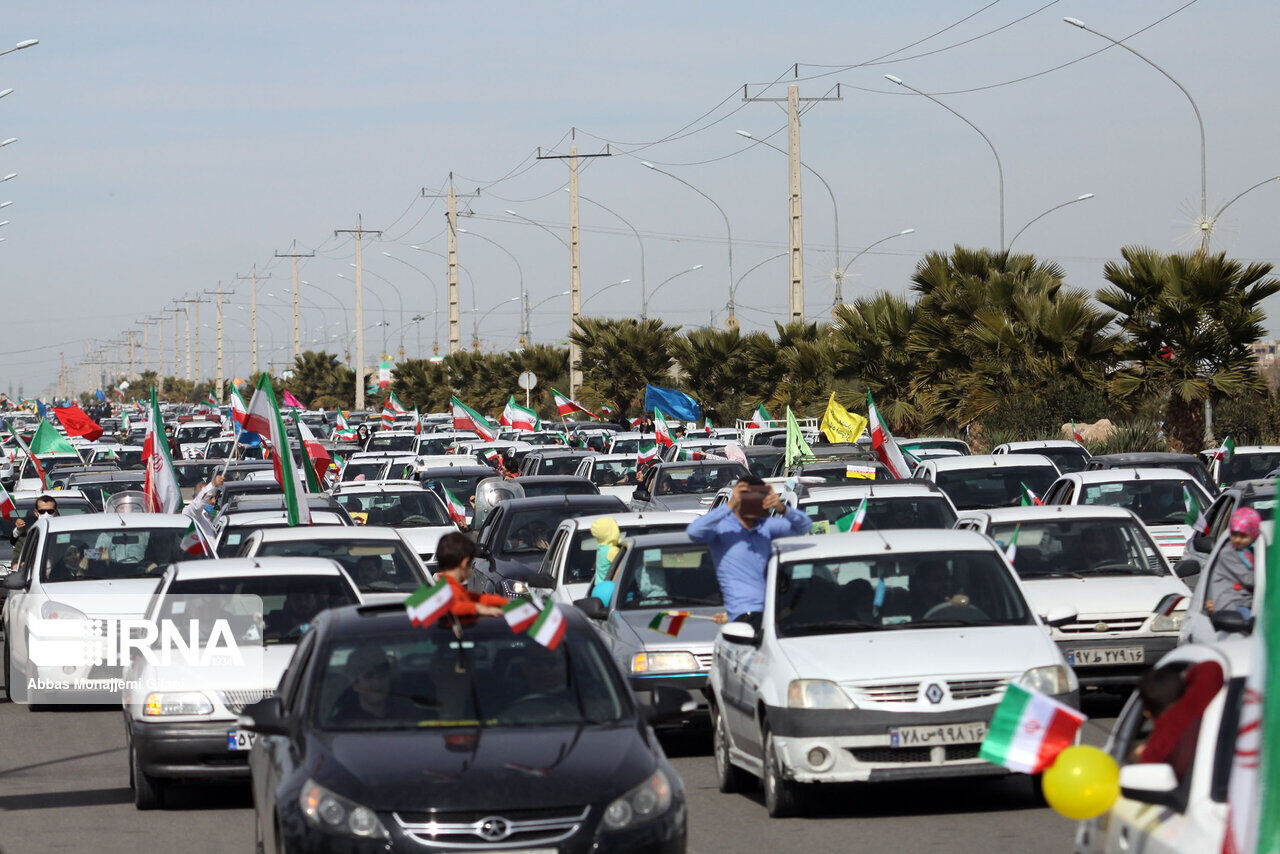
pixel 1106 655
pixel 239 739
pixel 929 736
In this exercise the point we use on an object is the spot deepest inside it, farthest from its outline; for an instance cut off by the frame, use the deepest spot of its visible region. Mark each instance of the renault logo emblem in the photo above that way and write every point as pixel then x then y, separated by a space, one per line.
pixel 1102 627
pixel 934 693
pixel 494 829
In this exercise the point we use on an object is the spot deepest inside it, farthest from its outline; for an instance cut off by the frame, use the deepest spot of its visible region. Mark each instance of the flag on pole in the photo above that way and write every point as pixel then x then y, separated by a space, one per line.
pixel 78 423
pixel 316 455
pixel 646 455
pixel 466 418
pixel 668 622
pixel 548 629
pixel 851 522
pixel 161 484
pixel 7 507
pixel 1029 730
pixel 1193 516
pixel 661 432
pixel 1227 451
pixel 520 614
pixel 396 405
pixel 1076 434
pixel 48 440
pixel 238 409
pixel 520 418
pixel 1012 551
pixel 457 510
pixel 212 401
pixel 429 603
pixel 566 406
pixel 417 422
pixel 388 414
pixel 292 402
pixel 709 429
pixel 840 424
pixel 883 443
pixel 760 417
pixel 263 418
pixel 199 537
pixel 35 462
pixel 797 448
pixel 1029 498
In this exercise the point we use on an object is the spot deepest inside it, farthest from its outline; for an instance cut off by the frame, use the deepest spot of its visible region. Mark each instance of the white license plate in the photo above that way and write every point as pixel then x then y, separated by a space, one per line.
pixel 1106 655
pixel 239 739
pixel 929 736
pixel 521 851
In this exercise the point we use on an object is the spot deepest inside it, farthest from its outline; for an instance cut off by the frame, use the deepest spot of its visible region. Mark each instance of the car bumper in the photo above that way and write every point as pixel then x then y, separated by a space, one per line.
pixel 694 683
pixel 1116 674
pixel 194 750
pixel 856 746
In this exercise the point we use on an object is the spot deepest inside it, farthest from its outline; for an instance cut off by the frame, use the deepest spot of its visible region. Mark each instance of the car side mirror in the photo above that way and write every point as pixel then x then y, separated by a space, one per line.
pixel 265 717
pixel 14 581
pixel 666 705
pixel 640 494
pixel 740 633
pixel 483 551
pixel 1231 621
pixel 540 581
pixel 1202 542
pixel 1186 568
pixel 1060 615
pixel 1151 783
pixel 592 607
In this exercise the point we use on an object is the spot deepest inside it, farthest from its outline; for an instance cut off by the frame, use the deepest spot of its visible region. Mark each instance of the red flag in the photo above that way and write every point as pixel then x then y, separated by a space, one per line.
pixel 77 422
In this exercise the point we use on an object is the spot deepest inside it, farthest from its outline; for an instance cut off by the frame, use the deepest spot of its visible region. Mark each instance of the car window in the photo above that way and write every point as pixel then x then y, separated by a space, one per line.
pixel 883 512
pixel 376 566
pixel 1080 547
pixel 378 442
pixel 415 508
pixel 289 602
pixel 680 575
pixel 529 531
pixel 462 487
pixel 30 545
pixel 1066 459
pixel 292 676
pixel 696 480
pixel 363 470
pixel 994 486
pixel 614 472
pixel 120 553
pixel 1155 502
pixel 564 487
pixel 1220 516
pixel 1248 466
pixel 550 561
pixel 1264 504
pixel 580 567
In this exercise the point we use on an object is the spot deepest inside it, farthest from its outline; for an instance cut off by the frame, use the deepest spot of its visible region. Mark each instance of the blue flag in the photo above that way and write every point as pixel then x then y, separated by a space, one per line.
pixel 674 403
pixel 41 409
pixel 99 395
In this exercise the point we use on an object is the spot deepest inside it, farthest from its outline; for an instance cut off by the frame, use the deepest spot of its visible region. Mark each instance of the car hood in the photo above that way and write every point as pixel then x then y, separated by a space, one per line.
pixel 1104 595
pixel 694 502
pixel 423 541
pixel 1170 539
pixel 518 565
pixel 622 492
pixel 694 634
pixel 263 667
pixel 907 654
pixel 492 768
pixel 114 597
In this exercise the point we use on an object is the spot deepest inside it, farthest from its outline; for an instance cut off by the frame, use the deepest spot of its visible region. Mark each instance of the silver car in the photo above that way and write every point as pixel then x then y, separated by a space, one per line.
pixel 686 487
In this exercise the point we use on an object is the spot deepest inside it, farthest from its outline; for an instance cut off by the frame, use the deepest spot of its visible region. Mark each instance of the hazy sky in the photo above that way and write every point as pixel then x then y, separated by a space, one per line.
pixel 164 147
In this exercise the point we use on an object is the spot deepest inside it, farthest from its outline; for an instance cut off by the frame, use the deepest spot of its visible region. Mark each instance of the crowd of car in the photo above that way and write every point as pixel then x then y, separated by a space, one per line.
pixel 881 655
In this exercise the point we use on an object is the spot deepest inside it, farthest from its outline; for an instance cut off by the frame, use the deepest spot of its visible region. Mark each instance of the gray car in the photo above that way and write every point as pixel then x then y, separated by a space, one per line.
pixel 656 578
pixel 687 487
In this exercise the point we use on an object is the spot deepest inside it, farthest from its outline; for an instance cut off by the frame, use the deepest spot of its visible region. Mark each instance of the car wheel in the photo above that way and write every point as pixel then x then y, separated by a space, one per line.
pixel 781 797
pixel 148 792
pixel 8 679
pixel 730 778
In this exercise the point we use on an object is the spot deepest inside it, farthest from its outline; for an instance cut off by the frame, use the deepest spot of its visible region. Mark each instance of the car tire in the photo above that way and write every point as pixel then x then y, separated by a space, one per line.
pixel 8 678
pixel 1036 784
pixel 730 779
pixel 148 792
pixel 782 798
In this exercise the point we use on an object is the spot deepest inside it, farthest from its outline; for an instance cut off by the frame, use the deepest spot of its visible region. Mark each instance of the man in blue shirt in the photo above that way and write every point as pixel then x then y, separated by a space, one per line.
pixel 739 534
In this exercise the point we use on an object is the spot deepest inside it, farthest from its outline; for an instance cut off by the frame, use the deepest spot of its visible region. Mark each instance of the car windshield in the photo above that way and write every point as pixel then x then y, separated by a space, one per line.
pixel 24 507
pixel 416 678
pixel 364 470
pixel 189 474
pixel 1075 548
pixel 558 487
pixel 844 474
pixel 49 464
pixel 125 459
pixel 556 464
pixel 1250 465
pixel 197 432
pixel 1066 459
pixel 926 511
pixel 994 486
pixel 764 465
pixel 668 576
pixel 581 565
pixel 378 442
pixel 376 566
pixel 936 445
pixel 697 480
pixel 1155 502
pixel 629 446
pixel 880 592
pixel 463 487
pixel 614 472
pixel 404 509
pixel 289 602
pixel 542 439
pixel 435 447
pixel 115 553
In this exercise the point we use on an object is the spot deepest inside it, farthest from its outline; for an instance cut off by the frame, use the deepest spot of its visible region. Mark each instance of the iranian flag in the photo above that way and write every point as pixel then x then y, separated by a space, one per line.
pixel 760 417
pixel 668 622
pixel 388 414
pixel 161 484
pixel 395 404
pixel 212 401
pixel 660 430
pixel 1076 434
pixel 263 418
pixel 342 431
pixel 1012 552
pixel 1029 730
pixel 457 510
pixel 7 507
pixel 199 534
pixel 1029 498
pixel 518 417
pixel 1194 517
pixel 548 629
pixel 417 422
pixel 35 462
pixel 520 614
pixel 239 412
pixel 646 456
pixel 566 406
pixel 851 522
pixel 466 418
pixel 1227 451
pixel 709 429
pixel 882 442
pixel 429 603
pixel 318 456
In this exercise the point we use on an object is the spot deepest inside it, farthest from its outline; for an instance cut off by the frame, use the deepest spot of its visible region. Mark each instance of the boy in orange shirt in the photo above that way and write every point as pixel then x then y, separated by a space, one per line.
pixel 454 555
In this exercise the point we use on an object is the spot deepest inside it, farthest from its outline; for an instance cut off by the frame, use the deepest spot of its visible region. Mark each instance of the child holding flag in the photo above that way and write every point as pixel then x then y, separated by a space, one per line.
pixel 455 554
pixel 1231 577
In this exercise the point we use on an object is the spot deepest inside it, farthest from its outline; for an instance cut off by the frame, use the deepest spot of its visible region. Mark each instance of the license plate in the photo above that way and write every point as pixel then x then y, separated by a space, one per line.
pixel 929 736
pixel 1106 655
pixel 520 851
pixel 239 739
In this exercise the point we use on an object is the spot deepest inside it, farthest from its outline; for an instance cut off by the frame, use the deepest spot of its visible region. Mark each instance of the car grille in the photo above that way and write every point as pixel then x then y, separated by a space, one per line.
pixel 704 659
pixel 490 831
pixel 893 692
pixel 235 701
pixel 889 755
pixel 1116 624
pixel 971 689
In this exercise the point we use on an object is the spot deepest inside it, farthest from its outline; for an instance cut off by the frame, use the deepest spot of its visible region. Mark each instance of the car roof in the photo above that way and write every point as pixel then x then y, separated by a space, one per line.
pixel 235 567
pixel 1145 457
pixel 552 478
pixel 665 538
pixel 1113 475
pixel 456 471
pixel 587 500
pixel 1043 443
pixel 354 621
pixel 350 487
pixel 870 489
pixel 878 542
pixel 258 518
pixel 977 461
pixel 1034 513
pixel 609 458
pixel 107 521
pixel 657 517
pixel 671 464
pixel 303 532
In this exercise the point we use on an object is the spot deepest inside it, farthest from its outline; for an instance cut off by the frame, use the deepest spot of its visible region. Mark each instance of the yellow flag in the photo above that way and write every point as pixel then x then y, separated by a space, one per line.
pixel 840 424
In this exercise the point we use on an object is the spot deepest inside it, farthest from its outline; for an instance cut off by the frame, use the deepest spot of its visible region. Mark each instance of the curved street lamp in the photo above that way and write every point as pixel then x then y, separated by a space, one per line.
pixel 603 289
pixel 1034 220
pixel 644 303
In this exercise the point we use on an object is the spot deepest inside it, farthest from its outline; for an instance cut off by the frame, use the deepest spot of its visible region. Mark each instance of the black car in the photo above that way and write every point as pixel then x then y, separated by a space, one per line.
pixel 552 461
pixel 515 535
pixel 845 472
pixel 764 460
pixel 98 486
pixel 460 481
pixel 1189 463
pixel 535 486
pixel 388 737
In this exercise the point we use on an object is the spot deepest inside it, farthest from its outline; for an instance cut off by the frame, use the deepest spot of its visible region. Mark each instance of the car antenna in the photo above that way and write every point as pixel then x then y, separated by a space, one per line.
pixel 887 547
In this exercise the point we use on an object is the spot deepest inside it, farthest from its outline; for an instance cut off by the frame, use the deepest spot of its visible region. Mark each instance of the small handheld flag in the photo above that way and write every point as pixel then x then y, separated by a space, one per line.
pixel 429 603
pixel 1029 730
pixel 851 522
pixel 1029 498
pixel 1194 517
pixel 520 614
pixel 549 628
pixel 668 622
pixel 1012 552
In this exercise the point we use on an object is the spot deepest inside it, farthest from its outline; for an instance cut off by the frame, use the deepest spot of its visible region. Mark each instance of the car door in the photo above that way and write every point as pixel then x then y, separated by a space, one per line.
pixel 271 757
pixel 553 563
pixel 482 575
pixel 15 605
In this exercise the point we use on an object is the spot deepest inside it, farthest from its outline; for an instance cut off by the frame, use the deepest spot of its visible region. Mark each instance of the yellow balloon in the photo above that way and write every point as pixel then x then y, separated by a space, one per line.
pixel 1082 782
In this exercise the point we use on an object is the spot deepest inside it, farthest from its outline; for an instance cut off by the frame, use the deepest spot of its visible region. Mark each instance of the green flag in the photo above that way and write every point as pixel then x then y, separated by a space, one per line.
pixel 48 440
pixel 797 447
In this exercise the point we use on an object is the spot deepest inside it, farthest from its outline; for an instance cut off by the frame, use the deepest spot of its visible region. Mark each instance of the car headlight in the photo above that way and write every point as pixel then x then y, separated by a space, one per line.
pixel 663 662
pixel 59 611
pixel 1053 679
pixel 329 811
pixel 647 801
pixel 1168 622
pixel 817 694
pixel 176 703
pixel 514 587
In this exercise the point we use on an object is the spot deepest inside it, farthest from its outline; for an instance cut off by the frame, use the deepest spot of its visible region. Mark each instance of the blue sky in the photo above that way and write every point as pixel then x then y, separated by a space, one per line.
pixel 164 147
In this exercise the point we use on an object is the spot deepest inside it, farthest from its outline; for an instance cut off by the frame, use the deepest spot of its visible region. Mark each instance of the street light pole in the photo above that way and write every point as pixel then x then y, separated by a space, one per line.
pixel 514 260
pixel 839 289
pixel 628 224
pixel 644 305
pixel 476 330
pixel 603 289
pixel 987 139
pixel 435 303
pixel 1085 197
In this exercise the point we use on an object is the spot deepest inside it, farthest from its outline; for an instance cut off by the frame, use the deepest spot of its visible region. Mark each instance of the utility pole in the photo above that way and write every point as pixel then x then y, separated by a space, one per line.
pixel 294 256
pixel 160 373
pixel 360 231
pixel 128 343
pixel 451 218
pixel 187 318
pixel 219 382
pixel 197 302
pixel 62 376
pixel 253 317
pixel 175 341
pixel 795 203
pixel 575 271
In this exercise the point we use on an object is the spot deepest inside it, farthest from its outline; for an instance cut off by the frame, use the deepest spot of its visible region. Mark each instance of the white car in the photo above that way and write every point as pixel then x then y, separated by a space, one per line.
pixel 418 514
pixel 27 478
pixel 98 565
pixel 613 474
pixel 891 504
pixel 1248 462
pixel 882 655
pixel 1100 565
pixel 1202 627
pixel 931 443
pixel 377 465
pixel 125 456
pixel 1157 813
pixel 230 530
pixel 1067 455
pixel 692 448
pixel 187 730
pixel 1156 496
pixel 630 443
pixel 983 481
pixel 378 560
pixel 396 441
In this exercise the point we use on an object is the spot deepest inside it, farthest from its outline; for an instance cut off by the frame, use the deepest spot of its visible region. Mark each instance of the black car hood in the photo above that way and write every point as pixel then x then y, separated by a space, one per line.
pixel 519 566
pixel 480 769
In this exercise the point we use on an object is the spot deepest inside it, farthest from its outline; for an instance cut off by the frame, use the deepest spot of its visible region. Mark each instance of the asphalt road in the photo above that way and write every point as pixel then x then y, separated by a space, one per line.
pixel 64 786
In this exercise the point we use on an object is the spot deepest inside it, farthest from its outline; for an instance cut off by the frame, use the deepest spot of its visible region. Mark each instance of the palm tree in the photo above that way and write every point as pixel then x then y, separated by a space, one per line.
pixel 422 383
pixel 803 358
pixel 869 347
pixel 1188 321
pixel 618 358
pixel 717 370
pixel 321 380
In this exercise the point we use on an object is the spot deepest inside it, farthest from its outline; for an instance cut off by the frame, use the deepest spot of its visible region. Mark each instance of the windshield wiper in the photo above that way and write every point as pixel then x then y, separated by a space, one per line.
pixel 835 626
pixel 677 600
pixel 1062 573
pixel 947 624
